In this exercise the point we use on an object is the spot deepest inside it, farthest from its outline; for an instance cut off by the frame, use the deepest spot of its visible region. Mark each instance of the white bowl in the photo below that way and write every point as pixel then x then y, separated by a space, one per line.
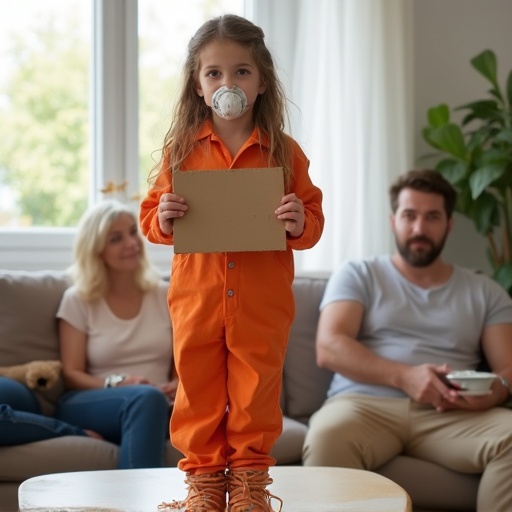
pixel 472 382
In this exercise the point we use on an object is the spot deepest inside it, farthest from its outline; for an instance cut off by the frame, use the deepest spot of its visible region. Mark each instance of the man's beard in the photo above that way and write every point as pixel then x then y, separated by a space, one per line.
pixel 422 258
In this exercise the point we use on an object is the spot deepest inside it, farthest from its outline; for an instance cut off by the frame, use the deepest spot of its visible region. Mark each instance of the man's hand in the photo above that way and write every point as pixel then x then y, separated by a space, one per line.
pixel 456 400
pixel 427 384
pixel 170 207
pixel 292 212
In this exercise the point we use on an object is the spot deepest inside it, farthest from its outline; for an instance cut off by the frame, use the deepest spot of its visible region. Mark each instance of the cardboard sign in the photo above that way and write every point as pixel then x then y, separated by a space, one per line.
pixel 230 210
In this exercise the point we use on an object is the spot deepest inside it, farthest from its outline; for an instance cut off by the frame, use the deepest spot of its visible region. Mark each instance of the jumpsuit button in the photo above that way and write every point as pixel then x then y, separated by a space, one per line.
pixel 231 293
pixel 231 264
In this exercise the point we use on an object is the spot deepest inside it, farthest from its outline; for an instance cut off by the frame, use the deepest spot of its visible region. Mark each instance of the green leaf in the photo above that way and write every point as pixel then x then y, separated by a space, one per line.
pixel 504 136
pixel 503 275
pixel 485 64
pixel 483 109
pixel 496 92
pixel 464 201
pixel 426 135
pixel 509 89
pixel 495 156
pixel 477 140
pixel 452 170
pixel 448 138
pixel 483 177
pixel 438 116
pixel 485 213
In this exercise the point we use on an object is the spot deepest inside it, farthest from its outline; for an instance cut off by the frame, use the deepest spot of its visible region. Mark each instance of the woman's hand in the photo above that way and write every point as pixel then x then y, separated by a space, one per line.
pixel 169 390
pixel 292 212
pixel 170 207
pixel 133 380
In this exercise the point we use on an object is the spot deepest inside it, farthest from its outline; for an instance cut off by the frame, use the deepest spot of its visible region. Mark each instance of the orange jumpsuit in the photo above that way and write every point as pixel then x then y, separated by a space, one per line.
pixel 231 316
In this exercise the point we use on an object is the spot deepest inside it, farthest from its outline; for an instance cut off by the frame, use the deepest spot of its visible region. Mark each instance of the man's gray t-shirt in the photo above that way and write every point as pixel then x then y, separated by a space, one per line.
pixel 414 325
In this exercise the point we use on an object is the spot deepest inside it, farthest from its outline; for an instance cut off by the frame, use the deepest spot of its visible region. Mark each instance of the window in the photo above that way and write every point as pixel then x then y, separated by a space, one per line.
pixel 85 99
pixel 44 111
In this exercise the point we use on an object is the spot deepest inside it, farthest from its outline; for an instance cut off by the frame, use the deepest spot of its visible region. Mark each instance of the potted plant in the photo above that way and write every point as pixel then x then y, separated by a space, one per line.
pixel 476 158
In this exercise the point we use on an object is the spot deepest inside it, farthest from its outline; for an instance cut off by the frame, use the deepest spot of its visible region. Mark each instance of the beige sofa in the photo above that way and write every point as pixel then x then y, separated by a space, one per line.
pixel 28 302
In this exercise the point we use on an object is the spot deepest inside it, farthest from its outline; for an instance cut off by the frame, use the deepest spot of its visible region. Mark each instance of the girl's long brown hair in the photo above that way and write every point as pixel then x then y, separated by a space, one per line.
pixel 191 111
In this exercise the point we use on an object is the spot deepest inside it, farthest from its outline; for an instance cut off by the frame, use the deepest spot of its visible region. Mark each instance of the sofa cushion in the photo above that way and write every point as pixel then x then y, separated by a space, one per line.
pixel 288 447
pixel 32 335
pixel 304 383
pixel 74 453
pixel 61 454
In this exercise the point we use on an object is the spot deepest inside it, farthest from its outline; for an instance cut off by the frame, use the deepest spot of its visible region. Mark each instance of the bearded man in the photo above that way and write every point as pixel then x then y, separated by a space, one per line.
pixel 392 328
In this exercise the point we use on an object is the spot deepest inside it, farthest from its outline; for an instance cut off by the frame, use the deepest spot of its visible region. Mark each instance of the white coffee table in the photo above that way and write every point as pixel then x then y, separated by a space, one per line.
pixel 303 489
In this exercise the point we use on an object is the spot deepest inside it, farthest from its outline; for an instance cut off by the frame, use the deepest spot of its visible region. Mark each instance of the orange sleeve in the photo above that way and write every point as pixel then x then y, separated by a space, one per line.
pixel 311 197
pixel 148 214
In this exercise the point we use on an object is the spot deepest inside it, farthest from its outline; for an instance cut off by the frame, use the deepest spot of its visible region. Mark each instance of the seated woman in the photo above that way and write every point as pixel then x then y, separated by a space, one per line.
pixel 116 345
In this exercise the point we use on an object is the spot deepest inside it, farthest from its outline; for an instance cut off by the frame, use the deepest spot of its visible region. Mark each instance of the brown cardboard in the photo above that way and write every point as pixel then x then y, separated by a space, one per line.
pixel 230 210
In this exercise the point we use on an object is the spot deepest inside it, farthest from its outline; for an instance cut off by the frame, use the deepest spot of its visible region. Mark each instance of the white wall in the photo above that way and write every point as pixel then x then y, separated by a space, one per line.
pixel 447 34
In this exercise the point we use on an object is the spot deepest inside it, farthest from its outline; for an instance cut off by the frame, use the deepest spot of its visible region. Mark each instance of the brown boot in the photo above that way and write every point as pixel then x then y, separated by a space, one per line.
pixel 247 492
pixel 206 493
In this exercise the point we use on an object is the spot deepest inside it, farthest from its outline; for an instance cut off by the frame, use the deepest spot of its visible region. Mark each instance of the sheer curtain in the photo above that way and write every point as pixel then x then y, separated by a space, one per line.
pixel 346 67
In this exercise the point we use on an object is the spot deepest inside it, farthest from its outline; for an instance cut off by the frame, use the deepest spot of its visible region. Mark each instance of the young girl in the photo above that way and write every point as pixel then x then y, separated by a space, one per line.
pixel 231 311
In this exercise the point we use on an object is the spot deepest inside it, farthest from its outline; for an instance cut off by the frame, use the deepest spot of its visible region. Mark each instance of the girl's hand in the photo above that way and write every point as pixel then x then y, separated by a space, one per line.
pixel 171 206
pixel 292 212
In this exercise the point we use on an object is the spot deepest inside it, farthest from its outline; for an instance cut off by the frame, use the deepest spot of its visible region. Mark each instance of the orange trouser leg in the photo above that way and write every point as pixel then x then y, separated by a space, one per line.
pixel 197 424
pixel 255 362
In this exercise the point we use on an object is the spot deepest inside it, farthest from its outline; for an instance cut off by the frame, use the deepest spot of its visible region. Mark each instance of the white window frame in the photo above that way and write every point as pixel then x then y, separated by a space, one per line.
pixel 114 140
pixel 115 95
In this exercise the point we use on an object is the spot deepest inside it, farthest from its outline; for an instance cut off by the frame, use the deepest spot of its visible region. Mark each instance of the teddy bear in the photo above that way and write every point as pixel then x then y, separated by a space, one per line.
pixel 37 375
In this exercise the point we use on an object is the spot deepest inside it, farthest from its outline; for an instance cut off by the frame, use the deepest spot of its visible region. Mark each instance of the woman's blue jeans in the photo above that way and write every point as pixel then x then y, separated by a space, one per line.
pixel 134 417
pixel 21 420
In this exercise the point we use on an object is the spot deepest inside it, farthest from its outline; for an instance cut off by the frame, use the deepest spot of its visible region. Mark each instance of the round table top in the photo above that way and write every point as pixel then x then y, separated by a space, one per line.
pixel 302 489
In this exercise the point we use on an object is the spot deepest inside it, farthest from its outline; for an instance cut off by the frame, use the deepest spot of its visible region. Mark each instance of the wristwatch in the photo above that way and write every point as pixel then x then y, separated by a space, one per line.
pixel 113 380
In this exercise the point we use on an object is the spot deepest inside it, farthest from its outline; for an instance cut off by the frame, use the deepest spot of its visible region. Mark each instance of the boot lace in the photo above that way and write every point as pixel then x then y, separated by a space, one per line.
pixel 206 493
pixel 247 492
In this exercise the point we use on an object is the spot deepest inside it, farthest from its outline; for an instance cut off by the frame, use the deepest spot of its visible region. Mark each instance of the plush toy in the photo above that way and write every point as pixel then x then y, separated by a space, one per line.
pixel 37 375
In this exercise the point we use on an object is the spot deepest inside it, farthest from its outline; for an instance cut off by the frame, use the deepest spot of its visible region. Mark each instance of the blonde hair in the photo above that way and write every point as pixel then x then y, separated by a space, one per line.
pixel 191 111
pixel 89 272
